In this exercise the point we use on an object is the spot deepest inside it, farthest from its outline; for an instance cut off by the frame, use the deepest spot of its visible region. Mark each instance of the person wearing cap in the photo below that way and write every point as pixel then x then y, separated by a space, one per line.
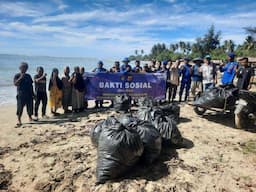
pixel 125 68
pixel 197 76
pixel 99 69
pixel 209 72
pixel 25 93
pixel 185 72
pixel 229 70
pixel 137 68
pixel 245 75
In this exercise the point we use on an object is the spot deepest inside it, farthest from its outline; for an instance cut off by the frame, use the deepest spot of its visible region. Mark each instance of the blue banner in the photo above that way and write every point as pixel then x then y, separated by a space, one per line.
pixel 108 85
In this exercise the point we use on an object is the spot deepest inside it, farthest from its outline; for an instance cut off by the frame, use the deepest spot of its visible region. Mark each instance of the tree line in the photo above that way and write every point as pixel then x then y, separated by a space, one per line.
pixel 207 44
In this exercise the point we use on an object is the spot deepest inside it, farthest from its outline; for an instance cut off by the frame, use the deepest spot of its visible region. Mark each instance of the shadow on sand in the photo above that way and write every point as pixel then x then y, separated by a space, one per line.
pixel 226 119
pixel 159 168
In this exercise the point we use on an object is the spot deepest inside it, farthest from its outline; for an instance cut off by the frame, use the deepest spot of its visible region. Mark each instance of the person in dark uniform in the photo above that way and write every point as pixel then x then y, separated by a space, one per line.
pixel 245 75
pixel 24 84
pixel 99 69
pixel 40 91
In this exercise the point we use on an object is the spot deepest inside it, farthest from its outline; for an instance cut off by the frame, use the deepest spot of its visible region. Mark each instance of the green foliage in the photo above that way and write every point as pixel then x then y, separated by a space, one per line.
pixel 208 44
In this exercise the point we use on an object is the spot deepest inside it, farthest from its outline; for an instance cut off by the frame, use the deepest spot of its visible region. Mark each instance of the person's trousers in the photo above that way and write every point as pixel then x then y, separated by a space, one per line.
pixel 23 101
pixel 185 85
pixel 172 92
pixel 40 96
pixel 196 85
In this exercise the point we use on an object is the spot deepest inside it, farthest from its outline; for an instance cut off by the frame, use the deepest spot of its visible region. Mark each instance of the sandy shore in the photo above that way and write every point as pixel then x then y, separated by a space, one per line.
pixel 57 155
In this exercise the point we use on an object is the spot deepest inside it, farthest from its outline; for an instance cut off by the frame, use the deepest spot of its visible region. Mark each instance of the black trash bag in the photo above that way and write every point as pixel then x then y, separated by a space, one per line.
pixel 119 148
pixel 151 139
pixel 145 102
pixel 167 127
pixel 126 119
pixel 144 114
pixel 218 97
pixel 149 114
pixel 96 131
pixel 122 103
pixel 171 110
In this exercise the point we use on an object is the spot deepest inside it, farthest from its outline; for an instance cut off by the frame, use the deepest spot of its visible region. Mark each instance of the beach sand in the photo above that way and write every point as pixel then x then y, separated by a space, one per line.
pixel 57 155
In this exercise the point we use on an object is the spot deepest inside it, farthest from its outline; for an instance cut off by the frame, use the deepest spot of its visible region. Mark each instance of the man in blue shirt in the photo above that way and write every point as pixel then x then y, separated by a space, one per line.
pixel 186 78
pixel 229 70
pixel 99 69
pixel 126 67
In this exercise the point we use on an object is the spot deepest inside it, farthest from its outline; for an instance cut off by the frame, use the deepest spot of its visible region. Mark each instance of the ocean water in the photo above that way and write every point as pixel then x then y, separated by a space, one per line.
pixel 9 66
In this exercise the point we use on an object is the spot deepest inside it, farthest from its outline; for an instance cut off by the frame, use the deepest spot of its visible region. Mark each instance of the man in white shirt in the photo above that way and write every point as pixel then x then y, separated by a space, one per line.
pixel 209 72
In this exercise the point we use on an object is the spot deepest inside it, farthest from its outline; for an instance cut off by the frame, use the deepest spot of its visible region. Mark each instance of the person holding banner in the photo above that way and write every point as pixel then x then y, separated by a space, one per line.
pixel 125 68
pixel 115 68
pixel 137 68
pixel 99 69
pixel 163 69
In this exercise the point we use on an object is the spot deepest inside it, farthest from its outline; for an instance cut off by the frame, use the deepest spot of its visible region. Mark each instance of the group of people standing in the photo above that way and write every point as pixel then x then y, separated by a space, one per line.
pixel 69 90
pixel 63 92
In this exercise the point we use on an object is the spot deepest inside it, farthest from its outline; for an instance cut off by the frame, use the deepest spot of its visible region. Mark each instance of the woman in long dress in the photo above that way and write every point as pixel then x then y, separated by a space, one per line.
pixel 77 91
pixel 55 87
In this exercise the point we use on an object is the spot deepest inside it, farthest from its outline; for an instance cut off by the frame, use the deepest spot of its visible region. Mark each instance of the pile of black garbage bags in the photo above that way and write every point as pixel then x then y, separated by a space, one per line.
pixel 126 139
pixel 224 96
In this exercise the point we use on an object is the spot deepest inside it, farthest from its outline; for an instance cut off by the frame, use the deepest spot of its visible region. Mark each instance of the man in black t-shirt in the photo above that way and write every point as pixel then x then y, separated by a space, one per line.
pixel 40 91
pixel 24 84
pixel 245 74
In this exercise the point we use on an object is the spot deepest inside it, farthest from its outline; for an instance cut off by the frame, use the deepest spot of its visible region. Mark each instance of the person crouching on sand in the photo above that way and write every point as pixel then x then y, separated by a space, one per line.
pixel 24 84
pixel 55 88
pixel 40 91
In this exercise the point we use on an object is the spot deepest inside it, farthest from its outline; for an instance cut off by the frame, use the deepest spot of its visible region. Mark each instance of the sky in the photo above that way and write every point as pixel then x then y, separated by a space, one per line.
pixel 115 29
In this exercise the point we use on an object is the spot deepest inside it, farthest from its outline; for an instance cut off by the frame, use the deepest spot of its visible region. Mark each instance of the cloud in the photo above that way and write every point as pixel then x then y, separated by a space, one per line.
pixel 119 29
pixel 20 9
pixel 60 4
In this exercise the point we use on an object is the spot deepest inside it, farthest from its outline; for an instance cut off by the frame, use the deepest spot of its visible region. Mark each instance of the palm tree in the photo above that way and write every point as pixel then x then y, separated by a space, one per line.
pixel 173 47
pixel 229 45
pixel 142 51
pixel 182 46
pixel 136 52
pixel 249 43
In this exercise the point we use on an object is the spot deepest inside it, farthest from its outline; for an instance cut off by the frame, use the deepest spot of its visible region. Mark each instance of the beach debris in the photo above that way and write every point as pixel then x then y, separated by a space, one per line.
pixel 5 178
pixel 120 148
